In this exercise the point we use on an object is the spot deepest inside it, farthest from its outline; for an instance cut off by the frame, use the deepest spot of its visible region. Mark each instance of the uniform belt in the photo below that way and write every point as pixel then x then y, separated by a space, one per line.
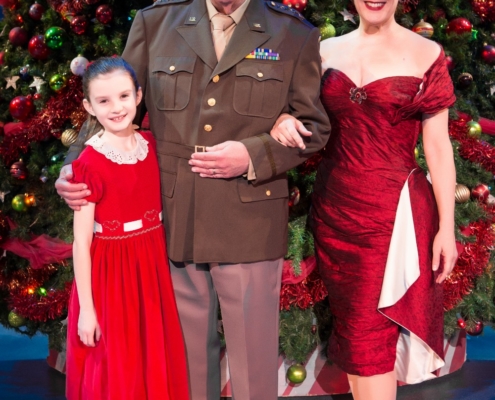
pixel 178 150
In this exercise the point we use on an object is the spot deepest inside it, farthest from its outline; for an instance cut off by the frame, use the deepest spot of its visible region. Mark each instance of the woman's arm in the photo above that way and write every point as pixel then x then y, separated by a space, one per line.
pixel 88 328
pixel 440 159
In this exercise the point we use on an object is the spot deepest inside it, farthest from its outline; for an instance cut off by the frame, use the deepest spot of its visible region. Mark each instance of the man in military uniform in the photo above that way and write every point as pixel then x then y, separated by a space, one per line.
pixel 215 76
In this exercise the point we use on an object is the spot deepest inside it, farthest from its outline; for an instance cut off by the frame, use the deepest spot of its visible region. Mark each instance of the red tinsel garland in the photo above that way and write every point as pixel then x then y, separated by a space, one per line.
pixel 472 149
pixel 47 123
pixel 485 9
pixel 41 308
pixel 471 263
pixel 67 6
pixel 304 294
pixel 23 279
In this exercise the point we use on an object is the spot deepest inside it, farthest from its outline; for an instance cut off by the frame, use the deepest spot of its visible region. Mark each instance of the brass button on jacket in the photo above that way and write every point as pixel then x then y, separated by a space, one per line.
pixel 172 68
pixel 215 79
pixel 208 128
pixel 212 102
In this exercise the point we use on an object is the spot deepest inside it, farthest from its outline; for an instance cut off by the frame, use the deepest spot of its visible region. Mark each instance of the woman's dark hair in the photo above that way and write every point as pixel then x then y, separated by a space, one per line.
pixel 106 65
pixel 102 66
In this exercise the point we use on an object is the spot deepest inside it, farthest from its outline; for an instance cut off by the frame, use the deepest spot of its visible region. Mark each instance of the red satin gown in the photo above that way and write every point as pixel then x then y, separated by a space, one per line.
pixel 367 163
pixel 141 352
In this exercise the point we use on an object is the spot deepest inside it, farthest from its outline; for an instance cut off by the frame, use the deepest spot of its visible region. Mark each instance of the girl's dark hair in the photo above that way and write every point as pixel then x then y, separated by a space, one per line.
pixel 102 66
pixel 106 65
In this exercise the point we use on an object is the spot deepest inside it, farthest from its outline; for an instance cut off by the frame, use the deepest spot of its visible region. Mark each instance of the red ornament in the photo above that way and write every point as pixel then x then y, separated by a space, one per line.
pixel 485 9
pixel 488 54
pixel 36 11
pixel 21 107
pixel 79 24
pixel 459 26
pixel 18 36
pixel 461 323
pixel 38 48
pixel 477 330
pixel 2 55
pixel 37 96
pixel 18 170
pixel 104 14
pixel 294 196
pixel 480 192
pixel 299 5
pixel 450 63
pixel 4 228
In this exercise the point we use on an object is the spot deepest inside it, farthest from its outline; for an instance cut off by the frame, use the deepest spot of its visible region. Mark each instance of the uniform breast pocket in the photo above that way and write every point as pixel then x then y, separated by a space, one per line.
pixel 170 82
pixel 258 87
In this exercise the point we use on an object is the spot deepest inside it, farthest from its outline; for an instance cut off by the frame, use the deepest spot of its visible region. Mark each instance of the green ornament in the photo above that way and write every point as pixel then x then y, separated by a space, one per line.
pixel 42 291
pixel 19 204
pixel 474 129
pixel 58 82
pixel 16 320
pixel 55 37
pixel 296 373
pixel 327 31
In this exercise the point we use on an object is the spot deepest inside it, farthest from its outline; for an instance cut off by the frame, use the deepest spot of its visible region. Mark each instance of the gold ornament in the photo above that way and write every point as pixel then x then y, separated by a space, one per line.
pixel 29 199
pixel 424 29
pixel 416 153
pixel 473 129
pixel 69 137
pixel 462 193
pixel 296 373
pixel 16 320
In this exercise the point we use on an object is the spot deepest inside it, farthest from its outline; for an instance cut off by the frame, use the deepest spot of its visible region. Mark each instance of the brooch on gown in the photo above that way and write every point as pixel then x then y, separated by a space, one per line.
pixel 358 95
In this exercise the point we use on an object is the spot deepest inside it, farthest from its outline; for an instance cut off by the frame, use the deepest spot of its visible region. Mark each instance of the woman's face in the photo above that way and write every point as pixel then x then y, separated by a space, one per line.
pixel 376 12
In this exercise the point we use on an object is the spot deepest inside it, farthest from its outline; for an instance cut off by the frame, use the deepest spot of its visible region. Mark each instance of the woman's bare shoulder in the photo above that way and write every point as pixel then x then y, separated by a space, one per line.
pixel 332 48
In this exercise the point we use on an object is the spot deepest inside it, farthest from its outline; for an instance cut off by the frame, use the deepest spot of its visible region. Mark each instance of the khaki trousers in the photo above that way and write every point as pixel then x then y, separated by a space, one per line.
pixel 249 301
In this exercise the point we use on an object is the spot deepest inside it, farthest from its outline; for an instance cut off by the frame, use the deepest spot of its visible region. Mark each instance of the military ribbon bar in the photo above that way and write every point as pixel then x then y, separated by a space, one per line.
pixel 264 54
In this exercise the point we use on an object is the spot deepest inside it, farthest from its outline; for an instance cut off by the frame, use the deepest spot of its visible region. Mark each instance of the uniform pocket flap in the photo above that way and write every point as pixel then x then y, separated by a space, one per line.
pixel 167 181
pixel 261 71
pixel 172 65
pixel 275 189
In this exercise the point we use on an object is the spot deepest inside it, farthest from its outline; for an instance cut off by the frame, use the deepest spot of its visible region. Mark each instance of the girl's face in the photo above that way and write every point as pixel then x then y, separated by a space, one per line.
pixel 113 101
pixel 376 12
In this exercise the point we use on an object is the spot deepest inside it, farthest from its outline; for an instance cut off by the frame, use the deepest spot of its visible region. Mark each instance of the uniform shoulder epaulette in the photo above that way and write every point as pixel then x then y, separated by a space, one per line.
pixel 288 10
pixel 165 2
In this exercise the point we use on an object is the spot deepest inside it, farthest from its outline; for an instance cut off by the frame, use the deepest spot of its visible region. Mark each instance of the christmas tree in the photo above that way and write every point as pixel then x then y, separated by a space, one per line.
pixel 44 49
pixel 465 29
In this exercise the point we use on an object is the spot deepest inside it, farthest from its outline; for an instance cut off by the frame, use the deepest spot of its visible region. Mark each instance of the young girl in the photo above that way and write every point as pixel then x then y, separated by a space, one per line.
pixel 124 337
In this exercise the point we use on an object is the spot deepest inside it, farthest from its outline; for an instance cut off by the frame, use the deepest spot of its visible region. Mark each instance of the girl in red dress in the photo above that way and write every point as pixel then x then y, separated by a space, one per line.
pixel 381 229
pixel 124 338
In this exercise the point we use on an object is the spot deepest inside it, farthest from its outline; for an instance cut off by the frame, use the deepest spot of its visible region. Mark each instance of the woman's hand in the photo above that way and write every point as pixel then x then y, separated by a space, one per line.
pixel 288 130
pixel 87 328
pixel 444 249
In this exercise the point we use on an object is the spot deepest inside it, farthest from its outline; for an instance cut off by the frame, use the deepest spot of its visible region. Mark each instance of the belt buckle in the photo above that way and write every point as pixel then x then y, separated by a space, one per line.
pixel 200 149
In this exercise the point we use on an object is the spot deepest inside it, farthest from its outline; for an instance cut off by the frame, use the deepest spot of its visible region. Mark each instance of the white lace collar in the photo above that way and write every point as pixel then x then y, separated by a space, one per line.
pixel 119 156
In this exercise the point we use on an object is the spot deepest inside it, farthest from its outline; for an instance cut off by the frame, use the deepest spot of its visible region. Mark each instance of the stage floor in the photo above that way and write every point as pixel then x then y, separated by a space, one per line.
pixel 24 374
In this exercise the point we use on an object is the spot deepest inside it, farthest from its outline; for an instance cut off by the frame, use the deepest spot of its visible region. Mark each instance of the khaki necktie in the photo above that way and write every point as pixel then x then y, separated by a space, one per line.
pixel 220 23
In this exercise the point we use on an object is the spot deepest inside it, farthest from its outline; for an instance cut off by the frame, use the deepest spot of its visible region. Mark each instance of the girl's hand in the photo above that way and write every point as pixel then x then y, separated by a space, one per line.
pixel 288 130
pixel 444 249
pixel 88 328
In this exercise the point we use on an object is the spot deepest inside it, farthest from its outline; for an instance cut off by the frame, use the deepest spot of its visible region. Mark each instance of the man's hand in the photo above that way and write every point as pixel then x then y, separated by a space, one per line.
pixel 72 193
pixel 225 160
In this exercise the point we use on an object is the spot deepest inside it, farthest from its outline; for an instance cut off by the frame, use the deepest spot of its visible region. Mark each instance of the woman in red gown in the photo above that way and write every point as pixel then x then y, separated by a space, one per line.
pixel 384 235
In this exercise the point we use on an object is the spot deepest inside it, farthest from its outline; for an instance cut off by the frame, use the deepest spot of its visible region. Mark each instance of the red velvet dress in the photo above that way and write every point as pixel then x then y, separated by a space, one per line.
pixel 141 353
pixel 368 166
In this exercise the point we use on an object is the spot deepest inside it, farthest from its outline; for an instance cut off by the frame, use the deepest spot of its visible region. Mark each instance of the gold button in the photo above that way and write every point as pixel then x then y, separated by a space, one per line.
pixel 208 128
pixel 172 68
pixel 260 74
pixel 212 102
pixel 268 193
pixel 215 79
